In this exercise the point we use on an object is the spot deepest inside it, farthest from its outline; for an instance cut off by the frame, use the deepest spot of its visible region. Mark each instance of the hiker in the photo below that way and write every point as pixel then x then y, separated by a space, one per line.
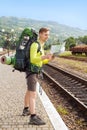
pixel 37 59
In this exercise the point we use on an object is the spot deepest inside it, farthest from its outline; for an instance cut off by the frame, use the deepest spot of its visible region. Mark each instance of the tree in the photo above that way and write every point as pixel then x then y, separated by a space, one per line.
pixel 85 40
pixel 69 42
pixel 82 40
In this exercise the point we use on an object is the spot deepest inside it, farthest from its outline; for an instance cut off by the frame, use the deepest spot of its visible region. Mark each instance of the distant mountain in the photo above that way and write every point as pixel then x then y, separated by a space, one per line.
pixel 59 31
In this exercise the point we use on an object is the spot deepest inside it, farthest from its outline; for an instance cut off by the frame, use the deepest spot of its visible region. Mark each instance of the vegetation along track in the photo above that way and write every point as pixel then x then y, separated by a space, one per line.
pixel 6 52
pixel 3 52
pixel 84 59
pixel 72 85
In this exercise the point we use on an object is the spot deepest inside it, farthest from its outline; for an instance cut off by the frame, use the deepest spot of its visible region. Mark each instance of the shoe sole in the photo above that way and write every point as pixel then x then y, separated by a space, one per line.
pixel 25 114
pixel 34 123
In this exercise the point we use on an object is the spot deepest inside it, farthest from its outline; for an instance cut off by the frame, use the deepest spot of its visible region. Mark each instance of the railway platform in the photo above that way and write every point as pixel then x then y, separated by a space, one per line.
pixel 12 91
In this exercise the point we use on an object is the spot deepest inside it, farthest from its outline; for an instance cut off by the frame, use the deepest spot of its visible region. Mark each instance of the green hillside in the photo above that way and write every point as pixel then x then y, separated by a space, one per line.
pixel 58 31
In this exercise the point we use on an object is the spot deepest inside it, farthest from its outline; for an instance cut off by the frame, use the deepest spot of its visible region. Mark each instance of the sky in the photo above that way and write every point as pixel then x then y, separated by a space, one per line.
pixel 68 12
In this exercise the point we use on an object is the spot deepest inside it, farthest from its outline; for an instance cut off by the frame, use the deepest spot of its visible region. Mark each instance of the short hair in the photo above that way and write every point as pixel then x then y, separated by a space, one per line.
pixel 43 30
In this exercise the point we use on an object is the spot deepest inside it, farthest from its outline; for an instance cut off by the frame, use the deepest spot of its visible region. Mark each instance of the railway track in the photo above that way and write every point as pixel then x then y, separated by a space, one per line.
pixel 73 86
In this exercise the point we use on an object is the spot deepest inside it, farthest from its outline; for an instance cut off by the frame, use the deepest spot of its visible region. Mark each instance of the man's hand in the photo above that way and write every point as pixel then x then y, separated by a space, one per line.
pixel 48 56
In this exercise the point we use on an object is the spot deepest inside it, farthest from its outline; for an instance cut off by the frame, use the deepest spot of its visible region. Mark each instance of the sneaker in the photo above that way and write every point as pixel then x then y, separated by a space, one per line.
pixel 36 120
pixel 26 112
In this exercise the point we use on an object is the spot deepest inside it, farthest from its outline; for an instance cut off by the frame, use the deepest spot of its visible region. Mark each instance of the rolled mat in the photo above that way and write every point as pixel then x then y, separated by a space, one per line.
pixel 8 60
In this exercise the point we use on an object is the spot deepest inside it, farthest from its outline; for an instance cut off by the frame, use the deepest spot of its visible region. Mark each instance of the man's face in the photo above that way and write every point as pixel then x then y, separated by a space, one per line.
pixel 44 36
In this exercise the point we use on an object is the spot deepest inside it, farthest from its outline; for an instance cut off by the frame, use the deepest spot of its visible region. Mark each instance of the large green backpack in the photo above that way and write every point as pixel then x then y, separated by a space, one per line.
pixel 22 55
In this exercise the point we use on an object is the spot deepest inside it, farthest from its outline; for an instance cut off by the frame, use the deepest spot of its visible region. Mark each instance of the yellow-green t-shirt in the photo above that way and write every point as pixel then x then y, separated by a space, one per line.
pixel 35 57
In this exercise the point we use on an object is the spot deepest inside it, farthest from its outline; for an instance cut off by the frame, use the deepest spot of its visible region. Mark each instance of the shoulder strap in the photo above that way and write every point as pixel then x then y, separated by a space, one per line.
pixel 28 48
pixel 39 46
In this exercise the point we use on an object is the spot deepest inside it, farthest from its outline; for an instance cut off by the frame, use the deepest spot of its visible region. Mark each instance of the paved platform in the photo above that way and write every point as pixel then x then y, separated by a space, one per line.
pixel 12 91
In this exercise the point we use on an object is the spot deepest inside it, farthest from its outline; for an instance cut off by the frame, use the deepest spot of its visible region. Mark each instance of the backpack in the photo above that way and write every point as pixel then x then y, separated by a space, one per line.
pixel 22 55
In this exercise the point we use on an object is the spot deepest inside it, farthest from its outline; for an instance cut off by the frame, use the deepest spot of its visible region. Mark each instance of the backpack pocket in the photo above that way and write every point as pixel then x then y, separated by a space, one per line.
pixel 35 69
pixel 20 65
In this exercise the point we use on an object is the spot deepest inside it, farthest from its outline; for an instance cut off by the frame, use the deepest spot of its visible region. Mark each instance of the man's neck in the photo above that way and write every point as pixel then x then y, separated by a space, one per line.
pixel 41 42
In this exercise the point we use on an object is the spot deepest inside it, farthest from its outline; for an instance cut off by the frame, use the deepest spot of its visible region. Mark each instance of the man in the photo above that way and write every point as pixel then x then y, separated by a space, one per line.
pixel 38 59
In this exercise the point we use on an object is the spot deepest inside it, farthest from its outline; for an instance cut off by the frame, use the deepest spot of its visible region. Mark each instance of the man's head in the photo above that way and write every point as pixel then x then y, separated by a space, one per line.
pixel 43 34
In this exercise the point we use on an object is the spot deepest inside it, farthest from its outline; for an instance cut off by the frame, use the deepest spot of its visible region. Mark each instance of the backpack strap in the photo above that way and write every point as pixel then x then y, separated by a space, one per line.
pixel 28 48
pixel 31 67
pixel 39 47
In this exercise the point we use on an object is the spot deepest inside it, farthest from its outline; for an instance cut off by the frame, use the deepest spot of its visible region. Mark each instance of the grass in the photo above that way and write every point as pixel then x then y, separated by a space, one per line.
pixel 75 65
pixel 62 110
pixel 68 53
pixel 80 122
pixel 79 66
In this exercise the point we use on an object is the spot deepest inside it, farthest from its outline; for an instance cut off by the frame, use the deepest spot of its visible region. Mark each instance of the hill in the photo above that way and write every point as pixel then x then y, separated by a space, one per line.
pixel 58 31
